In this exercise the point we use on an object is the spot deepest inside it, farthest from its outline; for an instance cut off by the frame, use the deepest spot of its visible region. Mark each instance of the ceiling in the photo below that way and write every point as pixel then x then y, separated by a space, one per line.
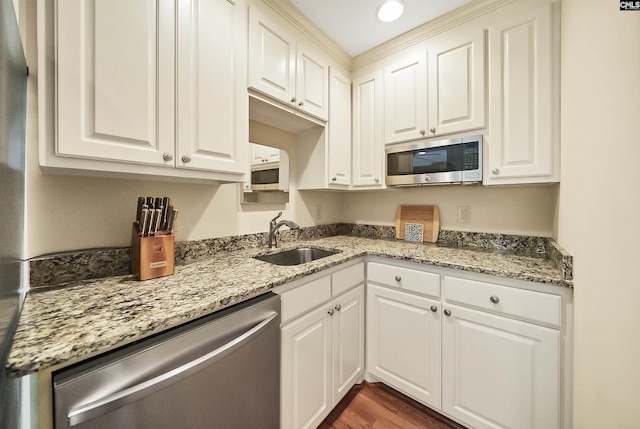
pixel 353 24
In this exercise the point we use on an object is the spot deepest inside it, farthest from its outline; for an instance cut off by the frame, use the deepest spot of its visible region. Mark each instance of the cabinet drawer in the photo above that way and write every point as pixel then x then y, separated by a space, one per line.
pixel 405 278
pixel 344 280
pixel 304 298
pixel 530 305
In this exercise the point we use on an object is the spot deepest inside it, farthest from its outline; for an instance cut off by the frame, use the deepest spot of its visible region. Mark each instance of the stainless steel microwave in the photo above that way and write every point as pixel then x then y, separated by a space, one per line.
pixel 265 177
pixel 451 161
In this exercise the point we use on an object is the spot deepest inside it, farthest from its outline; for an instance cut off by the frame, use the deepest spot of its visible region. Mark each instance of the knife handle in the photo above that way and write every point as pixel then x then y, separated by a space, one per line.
pixel 157 220
pixel 143 222
pixel 141 201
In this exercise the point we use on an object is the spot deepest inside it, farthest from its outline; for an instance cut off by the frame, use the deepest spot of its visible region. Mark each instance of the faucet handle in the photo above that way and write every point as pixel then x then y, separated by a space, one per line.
pixel 277 216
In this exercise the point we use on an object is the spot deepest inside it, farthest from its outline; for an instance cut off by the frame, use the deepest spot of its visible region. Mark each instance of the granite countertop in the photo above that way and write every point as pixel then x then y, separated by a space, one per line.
pixel 69 324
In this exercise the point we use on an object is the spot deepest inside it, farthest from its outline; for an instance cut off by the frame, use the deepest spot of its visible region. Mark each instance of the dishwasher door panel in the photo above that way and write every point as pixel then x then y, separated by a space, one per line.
pixel 223 373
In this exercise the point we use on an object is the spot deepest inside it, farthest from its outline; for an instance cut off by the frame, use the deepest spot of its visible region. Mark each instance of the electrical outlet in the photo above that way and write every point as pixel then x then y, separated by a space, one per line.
pixel 318 212
pixel 464 214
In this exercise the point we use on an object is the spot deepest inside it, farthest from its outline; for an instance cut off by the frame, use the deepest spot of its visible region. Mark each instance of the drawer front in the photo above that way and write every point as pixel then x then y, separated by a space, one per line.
pixel 530 305
pixel 405 278
pixel 348 278
pixel 304 298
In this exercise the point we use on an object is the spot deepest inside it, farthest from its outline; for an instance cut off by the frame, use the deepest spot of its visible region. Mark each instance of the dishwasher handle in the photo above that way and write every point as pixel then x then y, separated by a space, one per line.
pixel 129 395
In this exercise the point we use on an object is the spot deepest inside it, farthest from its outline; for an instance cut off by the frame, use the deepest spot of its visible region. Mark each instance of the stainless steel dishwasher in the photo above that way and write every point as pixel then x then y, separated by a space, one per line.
pixel 222 371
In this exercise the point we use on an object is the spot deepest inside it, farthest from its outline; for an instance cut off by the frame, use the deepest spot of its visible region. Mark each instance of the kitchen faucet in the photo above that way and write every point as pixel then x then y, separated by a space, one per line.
pixel 274 227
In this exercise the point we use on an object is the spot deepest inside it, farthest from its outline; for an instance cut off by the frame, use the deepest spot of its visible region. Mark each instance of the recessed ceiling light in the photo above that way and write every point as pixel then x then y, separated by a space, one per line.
pixel 390 10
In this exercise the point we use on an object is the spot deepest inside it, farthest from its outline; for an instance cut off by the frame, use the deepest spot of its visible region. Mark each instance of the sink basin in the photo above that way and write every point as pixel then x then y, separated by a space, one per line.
pixel 297 256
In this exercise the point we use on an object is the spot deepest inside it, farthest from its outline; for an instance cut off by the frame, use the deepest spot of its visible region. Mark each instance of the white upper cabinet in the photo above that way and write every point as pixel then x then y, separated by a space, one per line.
pixel 405 100
pixel 210 85
pixel 285 68
pixel 339 129
pixel 144 88
pixel 368 151
pixel 524 142
pixel 456 81
pixel 115 80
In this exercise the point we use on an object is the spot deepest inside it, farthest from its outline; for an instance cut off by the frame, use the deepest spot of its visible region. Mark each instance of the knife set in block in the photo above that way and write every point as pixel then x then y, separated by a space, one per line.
pixel 152 239
pixel 152 256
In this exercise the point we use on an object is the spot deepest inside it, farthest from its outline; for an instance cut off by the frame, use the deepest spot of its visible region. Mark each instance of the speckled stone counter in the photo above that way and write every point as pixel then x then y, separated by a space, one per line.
pixel 68 324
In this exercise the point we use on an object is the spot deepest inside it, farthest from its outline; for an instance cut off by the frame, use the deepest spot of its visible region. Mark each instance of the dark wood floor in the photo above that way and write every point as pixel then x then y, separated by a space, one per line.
pixel 374 405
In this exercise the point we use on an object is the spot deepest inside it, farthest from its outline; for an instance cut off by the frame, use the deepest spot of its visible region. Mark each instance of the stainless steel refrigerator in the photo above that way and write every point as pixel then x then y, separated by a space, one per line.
pixel 13 87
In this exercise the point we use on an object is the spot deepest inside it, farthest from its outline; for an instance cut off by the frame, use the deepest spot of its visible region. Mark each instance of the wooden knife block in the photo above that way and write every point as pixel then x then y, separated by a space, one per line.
pixel 152 256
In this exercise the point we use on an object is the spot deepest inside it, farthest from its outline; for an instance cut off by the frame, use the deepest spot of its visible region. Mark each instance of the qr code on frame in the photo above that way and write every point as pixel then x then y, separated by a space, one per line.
pixel 413 232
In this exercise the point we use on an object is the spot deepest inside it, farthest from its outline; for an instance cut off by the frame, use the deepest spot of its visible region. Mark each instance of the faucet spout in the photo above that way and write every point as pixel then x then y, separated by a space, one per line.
pixel 275 226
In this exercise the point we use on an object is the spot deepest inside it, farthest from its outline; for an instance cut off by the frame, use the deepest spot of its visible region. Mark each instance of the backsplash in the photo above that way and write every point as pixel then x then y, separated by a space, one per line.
pixel 71 267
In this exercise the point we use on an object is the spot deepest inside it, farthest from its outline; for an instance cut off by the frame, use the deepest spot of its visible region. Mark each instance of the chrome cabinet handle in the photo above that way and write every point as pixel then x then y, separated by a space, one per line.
pixel 167 156
pixel 338 307
pixel 398 278
pixel 334 179
pixel 447 312
pixel 134 393
pixel 433 130
pixel 494 299
pixel 330 312
pixel 186 159
pixel 434 309
pixel 495 171
pixel 423 132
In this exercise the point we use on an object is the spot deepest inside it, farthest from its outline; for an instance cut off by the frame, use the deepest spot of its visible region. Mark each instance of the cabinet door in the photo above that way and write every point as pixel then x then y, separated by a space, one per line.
pixel 312 83
pixel 272 58
pixel 403 342
pixel 524 144
pixel 368 150
pixel 212 113
pixel 499 372
pixel 405 100
pixel 339 129
pixel 456 82
pixel 115 81
pixel 348 341
pixel 306 370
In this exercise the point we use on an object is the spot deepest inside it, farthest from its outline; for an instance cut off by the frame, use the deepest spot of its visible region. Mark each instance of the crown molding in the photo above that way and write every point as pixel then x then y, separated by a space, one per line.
pixel 419 34
pixel 292 14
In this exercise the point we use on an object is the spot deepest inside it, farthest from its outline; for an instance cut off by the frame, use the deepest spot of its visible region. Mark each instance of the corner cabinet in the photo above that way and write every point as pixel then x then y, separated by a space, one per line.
pixel 524 143
pixel 322 345
pixel 285 68
pixel 486 352
pixel 153 88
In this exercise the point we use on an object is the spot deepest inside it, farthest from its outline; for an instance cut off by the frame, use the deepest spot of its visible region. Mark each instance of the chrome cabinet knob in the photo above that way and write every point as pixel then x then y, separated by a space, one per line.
pixel 330 312
pixel 338 307
pixel 186 159
pixel 423 132
pixel 301 103
pixel 398 278
pixel 293 99
pixel 334 179
pixel 434 308
pixel 495 171
pixel 167 156
pixel 376 180
pixel 447 312
pixel 432 130
pixel 494 299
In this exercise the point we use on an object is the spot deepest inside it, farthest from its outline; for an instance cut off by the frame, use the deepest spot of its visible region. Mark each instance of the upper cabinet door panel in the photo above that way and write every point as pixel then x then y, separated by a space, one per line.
pixel 340 130
pixel 524 144
pixel 272 53
pixel 115 80
pixel 405 100
pixel 210 81
pixel 368 153
pixel 312 83
pixel 456 82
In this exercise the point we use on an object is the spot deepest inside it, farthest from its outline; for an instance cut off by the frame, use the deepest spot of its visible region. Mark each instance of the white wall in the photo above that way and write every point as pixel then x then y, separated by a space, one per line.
pixel 511 210
pixel 599 205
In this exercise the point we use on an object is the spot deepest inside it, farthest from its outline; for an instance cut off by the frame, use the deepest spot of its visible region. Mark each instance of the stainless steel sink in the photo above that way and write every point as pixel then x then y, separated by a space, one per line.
pixel 297 256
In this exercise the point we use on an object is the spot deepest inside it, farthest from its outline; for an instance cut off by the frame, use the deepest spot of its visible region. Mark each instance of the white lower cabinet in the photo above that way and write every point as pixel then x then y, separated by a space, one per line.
pixel 499 372
pixel 323 349
pixel 403 342
pixel 488 355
